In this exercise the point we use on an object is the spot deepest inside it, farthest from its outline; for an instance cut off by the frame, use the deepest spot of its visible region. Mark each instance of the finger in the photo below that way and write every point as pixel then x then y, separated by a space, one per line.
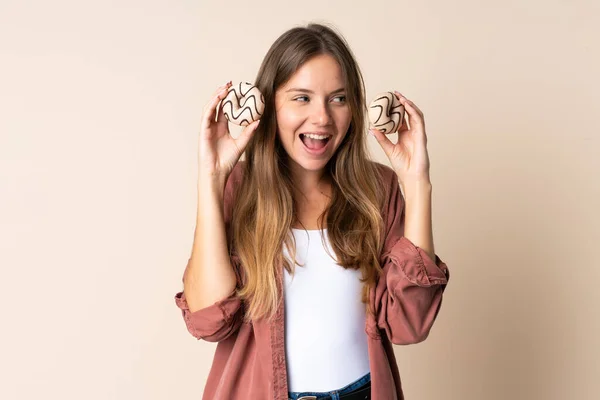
pixel 403 100
pixel 403 125
pixel 404 122
pixel 227 84
pixel 221 119
pixel 386 144
pixel 246 135
pixel 210 109
pixel 416 120
pixel 414 106
pixel 214 96
pixel 216 93
pixel 208 115
pixel 415 117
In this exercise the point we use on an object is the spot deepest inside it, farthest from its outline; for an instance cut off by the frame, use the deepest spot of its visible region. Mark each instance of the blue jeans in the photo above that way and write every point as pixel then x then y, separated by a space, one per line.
pixel 335 394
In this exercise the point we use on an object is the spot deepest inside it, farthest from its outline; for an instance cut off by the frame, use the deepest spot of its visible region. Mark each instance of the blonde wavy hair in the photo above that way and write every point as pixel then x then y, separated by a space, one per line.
pixel 265 209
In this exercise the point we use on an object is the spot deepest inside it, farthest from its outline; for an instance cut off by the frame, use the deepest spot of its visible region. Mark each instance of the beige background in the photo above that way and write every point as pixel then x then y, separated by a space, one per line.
pixel 99 110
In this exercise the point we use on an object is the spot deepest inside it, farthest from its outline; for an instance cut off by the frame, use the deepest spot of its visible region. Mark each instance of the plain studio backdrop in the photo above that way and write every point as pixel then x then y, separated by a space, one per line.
pixel 100 104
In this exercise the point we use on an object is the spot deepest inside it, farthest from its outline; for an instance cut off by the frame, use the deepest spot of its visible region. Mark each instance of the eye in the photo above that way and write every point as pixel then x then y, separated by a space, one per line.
pixel 341 99
pixel 301 97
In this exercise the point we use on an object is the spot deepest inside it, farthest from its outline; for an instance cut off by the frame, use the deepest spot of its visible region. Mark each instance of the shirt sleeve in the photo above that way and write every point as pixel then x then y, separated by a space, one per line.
pixel 409 293
pixel 216 322
pixel 220 320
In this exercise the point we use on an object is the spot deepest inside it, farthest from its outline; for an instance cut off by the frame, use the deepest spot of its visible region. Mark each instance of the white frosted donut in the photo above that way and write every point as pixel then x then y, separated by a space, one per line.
pixel 386 113
pixel 243 104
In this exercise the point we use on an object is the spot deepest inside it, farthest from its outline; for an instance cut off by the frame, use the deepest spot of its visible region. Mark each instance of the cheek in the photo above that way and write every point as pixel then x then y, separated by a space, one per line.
pixel 343 118
pixel 289 119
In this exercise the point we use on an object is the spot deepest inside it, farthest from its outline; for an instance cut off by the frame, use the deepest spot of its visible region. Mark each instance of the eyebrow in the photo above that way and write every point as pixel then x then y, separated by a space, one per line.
pixel 310 91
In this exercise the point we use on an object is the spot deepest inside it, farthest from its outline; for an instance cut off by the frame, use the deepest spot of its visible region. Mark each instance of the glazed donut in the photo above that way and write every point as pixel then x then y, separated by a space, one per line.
pixel 386 113
pixel 243 104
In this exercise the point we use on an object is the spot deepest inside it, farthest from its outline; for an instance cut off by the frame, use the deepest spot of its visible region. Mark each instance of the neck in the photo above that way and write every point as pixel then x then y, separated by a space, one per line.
pixel 309 183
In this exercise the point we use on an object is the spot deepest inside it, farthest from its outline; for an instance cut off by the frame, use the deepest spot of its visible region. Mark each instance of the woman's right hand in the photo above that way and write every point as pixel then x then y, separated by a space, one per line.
pixel 218 151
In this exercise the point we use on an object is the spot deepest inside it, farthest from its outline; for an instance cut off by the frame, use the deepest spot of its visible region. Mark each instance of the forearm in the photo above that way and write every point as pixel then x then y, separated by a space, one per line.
pixel 209 277
pixel 418 224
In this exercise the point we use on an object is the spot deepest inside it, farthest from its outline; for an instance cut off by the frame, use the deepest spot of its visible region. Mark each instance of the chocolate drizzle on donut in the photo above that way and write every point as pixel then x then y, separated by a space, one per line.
pixel 243 104
pixel 385 113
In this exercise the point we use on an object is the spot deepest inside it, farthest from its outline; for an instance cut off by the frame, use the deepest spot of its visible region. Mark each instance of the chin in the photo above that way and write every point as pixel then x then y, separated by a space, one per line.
pixel 310 165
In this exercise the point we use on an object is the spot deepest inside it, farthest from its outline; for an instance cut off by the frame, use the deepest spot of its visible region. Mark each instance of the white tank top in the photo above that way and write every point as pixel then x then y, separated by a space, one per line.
pixel 325 339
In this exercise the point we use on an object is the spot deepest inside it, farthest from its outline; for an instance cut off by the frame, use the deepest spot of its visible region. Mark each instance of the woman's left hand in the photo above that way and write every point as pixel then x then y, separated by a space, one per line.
pixel 409 155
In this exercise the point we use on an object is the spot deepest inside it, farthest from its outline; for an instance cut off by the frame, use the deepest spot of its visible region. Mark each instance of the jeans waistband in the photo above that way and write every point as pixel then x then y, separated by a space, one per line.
pixel 333 394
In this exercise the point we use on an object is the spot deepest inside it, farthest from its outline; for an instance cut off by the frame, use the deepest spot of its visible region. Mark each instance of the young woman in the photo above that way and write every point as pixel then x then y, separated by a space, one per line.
pixel 310 260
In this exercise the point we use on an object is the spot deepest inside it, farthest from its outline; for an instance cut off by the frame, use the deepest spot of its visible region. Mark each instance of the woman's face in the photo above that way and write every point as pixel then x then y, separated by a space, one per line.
pixel 313 102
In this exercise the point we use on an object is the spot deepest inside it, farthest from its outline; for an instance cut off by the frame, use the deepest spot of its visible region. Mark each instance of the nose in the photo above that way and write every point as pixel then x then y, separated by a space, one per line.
pixel 321 114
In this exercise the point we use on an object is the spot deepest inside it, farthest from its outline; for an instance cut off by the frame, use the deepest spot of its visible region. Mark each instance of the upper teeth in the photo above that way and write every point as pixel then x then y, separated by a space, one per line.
pixel 313 136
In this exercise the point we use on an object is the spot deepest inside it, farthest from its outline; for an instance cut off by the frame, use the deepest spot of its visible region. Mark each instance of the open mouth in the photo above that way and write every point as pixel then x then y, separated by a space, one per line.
pixel 314 143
